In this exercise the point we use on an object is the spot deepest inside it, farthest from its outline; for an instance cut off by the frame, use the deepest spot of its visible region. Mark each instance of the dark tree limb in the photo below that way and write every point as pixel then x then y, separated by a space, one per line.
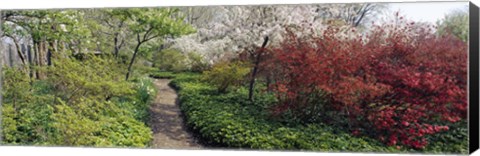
pixel 135 52
pixel 257 57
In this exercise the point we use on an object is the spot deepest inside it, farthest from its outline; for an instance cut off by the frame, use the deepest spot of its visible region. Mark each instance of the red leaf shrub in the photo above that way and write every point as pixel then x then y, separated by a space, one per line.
pixel 395 83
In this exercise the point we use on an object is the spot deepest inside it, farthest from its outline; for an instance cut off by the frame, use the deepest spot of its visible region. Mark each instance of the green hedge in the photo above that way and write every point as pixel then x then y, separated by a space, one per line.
pixel 162 75
pixel 173 75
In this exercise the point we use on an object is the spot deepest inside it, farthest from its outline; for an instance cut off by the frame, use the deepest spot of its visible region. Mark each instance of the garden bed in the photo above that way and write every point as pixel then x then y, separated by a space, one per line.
pixel 230 121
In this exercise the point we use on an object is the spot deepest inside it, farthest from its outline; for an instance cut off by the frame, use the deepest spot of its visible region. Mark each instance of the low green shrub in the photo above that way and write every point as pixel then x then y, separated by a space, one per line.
pixel 175 76
pixel 78 103
pixel 145 92
pixel 230 120
pixel 196 62
pixel 453 141
pixel 170 60
pixel 226 74
pixel 176 61
pixel 162 75
pixel 114 127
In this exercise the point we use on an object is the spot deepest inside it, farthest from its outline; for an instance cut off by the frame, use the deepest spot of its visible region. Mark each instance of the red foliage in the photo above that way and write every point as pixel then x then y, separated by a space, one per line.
pixel 395 84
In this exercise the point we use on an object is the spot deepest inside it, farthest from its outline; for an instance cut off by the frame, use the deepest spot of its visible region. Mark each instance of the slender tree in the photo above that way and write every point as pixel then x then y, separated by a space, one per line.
pixel 148 24
pixel 256 56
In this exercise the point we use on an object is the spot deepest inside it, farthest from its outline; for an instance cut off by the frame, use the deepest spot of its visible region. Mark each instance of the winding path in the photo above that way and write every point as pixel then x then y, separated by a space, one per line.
pixel 166 121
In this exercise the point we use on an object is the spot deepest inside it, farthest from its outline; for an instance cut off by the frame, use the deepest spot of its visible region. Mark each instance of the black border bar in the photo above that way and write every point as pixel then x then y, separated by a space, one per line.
pixel 473 114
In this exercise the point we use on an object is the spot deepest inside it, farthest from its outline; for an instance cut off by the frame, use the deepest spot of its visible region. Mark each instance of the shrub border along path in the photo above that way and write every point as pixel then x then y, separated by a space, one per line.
pixel 226 120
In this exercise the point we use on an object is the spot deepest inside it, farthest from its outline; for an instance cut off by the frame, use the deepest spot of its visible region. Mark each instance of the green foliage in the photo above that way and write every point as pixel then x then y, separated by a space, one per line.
pixel 145 94
pixel 100 78
pixel 27 120
pixel 149 24
pixel 184 77
pixel 225 74
pixel 196 62
pixel 163 75
pixel 87 102
pixel 50 25
pixel 453 141
pixel 160 21
pixel 190 76
pixel 230 120
pixel 16 85
pixel 84 101
pixel 85 127
pixel 455 23
pixel 175 61
pixel 80 103
pixel 143 69
pixel 170 60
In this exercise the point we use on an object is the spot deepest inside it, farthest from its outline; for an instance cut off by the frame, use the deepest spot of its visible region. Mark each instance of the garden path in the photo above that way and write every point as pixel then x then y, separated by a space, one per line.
pixel 169 131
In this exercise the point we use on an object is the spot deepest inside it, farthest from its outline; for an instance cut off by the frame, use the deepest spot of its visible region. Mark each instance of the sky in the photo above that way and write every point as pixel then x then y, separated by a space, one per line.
pixel 426 11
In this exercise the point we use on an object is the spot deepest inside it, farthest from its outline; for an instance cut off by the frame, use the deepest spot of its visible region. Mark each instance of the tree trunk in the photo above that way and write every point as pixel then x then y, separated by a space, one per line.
pixel 252 82
pixel 115 42
pixel 132 60
pixel 51 50
pixel 36 57
pixel 269 81
pixel 19 51
pixel 10 58
pixel 41 57
pixel 49 57
pixel 40 53
pixel 30 62
pixel 257 57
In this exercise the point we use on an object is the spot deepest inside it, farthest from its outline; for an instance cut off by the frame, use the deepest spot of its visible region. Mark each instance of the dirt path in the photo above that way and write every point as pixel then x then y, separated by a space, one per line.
pixel 166 121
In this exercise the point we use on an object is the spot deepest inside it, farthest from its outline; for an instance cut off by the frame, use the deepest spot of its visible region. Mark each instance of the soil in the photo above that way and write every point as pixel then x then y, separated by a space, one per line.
pixel 169 130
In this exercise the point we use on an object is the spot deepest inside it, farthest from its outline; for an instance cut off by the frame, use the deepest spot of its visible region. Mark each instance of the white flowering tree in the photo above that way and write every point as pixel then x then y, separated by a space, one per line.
pixel 237 28
pixel 234 29
pixel 226 30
